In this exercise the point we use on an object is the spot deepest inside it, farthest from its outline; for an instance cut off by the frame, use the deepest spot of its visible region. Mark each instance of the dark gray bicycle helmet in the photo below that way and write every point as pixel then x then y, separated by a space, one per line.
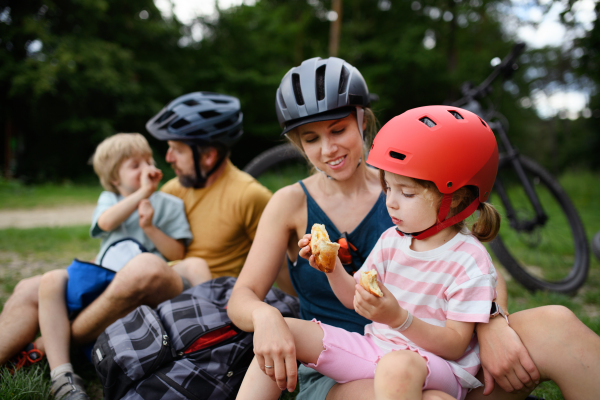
pixel 200 118
pixel 319 90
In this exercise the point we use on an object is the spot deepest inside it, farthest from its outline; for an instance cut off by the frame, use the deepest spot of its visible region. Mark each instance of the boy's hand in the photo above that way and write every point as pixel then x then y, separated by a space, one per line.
pixel 150 178
pixel 146 212
pixel 384 310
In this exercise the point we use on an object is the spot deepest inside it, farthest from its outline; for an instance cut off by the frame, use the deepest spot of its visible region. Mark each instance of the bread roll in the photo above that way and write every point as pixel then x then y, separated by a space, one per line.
pixel 368 280
pixel 324 251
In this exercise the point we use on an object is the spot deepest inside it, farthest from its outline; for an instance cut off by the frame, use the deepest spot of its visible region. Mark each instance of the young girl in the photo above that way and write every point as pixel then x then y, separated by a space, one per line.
pixel 437 166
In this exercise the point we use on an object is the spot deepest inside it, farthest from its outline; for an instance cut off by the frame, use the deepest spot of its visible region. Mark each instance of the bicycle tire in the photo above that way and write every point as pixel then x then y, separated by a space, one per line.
pixel 596 245
pixel 540 277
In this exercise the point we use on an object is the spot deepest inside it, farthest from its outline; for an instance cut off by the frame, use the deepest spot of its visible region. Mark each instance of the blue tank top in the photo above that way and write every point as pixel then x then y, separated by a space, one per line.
pixel 317 300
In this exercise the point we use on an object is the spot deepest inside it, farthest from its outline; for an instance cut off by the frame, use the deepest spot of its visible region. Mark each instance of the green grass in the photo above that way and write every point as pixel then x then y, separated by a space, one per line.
pixel 14 194
pixel 32 251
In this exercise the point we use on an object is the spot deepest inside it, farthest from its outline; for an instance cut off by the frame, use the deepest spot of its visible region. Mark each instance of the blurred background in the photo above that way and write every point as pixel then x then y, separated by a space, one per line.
pixel 73 72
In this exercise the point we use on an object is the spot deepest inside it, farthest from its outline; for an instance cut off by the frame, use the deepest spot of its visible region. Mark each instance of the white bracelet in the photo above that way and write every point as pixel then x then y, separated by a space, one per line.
pixel 405 324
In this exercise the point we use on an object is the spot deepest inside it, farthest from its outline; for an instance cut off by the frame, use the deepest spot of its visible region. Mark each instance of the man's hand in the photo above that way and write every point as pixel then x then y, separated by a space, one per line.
pixel 384 310
pixel 146 212
pixel 504 358
pixel 150 179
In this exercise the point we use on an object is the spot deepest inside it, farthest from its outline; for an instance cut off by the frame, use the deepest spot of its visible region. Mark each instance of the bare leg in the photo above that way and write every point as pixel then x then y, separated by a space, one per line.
pixel 195 269
pixel 400 375
pixel 562 347
pixel 19 319
pixel 436 395
pixel 258 385
pixel 54 322
pixel 146 279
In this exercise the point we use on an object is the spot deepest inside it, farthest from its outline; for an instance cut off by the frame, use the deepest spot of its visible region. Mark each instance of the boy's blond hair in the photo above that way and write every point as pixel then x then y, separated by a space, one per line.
pixel 111 153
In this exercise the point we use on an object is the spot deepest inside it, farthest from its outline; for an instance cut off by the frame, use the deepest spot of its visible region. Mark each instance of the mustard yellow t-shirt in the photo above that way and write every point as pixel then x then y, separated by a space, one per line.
pixel 223 218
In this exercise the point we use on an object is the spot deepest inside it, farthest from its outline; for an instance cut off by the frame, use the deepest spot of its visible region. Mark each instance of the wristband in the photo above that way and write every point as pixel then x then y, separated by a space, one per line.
pixel 405 324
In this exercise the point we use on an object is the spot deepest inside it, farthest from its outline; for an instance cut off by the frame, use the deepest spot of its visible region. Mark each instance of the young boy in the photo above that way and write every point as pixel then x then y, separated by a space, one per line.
pixel 130 208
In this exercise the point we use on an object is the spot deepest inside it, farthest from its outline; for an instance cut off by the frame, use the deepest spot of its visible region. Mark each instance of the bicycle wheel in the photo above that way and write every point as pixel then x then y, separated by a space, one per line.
pixel 553 256
pixel 596 245
pixel 279 166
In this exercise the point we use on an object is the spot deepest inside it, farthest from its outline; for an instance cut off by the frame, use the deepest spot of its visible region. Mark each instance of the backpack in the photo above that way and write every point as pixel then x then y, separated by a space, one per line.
pixel 185 349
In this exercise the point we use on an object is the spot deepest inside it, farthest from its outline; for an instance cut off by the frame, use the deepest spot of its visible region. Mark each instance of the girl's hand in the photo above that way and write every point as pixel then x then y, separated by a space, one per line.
pixel 146 212
pixel 274 347
pixel 384 310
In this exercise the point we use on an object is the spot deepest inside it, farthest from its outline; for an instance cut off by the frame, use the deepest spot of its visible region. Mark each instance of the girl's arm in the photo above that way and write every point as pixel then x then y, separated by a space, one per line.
pixel 171 249
pixel 341 282
pixel 449 342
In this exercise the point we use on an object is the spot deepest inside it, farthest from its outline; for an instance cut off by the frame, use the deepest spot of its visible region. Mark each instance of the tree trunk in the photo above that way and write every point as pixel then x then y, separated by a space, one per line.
pixel 334 28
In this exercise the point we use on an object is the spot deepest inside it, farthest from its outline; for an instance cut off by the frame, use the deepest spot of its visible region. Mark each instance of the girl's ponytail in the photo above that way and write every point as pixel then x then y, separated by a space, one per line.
pixel 488 223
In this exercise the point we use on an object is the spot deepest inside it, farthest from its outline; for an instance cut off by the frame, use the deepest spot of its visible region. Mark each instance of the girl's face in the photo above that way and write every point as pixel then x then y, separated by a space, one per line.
pixel 412 207
pixel 334 147
pixel 130 173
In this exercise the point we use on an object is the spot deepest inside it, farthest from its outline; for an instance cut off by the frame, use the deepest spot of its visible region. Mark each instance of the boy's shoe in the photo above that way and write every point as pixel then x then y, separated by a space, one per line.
pixel 28 356
pixel 68 386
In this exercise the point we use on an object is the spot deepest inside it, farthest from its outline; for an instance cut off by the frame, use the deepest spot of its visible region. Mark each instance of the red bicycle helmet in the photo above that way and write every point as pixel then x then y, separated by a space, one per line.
pixel 447 145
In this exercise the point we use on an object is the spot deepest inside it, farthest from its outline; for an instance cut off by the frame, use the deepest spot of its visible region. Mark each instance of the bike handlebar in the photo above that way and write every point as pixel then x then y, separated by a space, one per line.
pixel 506 68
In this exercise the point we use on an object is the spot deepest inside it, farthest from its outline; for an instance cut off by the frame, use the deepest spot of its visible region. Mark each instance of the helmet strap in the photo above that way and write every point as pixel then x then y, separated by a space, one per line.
pixel 360 116
pixel 201 179
pixel 443 223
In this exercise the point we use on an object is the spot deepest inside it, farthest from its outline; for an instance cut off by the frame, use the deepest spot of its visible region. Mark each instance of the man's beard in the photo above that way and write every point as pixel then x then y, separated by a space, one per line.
pixel 187 181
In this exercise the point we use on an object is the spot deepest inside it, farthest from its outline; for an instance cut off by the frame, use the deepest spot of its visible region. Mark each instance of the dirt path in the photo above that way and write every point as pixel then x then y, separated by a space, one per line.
pixel 47 217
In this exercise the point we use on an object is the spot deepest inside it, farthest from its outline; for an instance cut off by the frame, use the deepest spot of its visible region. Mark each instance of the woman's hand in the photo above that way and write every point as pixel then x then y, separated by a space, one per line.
pixel 274 348
pixel 504 358
pixel 384 310
pixel 305 250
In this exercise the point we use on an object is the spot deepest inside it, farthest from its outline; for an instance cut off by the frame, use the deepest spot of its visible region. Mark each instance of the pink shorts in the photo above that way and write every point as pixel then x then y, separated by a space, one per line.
pixel 350 356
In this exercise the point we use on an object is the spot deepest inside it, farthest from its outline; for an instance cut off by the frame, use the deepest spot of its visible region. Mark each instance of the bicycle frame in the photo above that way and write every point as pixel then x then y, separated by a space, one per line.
pixel 512 155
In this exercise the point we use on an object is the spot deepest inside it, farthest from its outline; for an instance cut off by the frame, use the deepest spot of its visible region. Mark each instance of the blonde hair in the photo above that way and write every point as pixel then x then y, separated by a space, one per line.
pixel 111 153
pixel 293 136
pixel 486 226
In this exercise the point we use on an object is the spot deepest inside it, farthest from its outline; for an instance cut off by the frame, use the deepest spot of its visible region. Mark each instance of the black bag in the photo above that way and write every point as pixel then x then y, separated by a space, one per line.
pixel 186 349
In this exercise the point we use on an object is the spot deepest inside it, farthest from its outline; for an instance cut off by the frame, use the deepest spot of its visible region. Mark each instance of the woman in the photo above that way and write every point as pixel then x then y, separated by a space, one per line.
pixel 322 106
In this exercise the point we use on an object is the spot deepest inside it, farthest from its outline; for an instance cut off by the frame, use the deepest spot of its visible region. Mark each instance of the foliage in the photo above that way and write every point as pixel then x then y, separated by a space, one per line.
pixel 65 84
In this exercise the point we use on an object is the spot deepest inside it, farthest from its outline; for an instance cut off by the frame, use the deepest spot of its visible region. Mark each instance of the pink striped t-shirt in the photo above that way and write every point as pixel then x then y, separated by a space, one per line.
pixel 455 281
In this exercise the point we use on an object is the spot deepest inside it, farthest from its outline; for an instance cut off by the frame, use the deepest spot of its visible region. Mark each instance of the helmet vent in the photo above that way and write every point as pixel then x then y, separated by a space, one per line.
pixel 220 101
pixel 343 80
pixel 428 121
pixel 164 116
pixel 455 114
pixel 483 122
pixel 228 122
pixel 397 156
pixel 190 102
pixel 320 82
pixel 180 124
pixel 297 89
pixel 209 114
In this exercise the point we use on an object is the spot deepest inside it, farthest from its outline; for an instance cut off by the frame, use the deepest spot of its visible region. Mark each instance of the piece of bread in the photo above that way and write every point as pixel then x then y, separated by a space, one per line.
pixel 368 280
pixel 324 251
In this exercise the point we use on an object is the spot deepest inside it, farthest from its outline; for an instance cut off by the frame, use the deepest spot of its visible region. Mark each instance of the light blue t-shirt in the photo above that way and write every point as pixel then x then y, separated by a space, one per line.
pixel 169 217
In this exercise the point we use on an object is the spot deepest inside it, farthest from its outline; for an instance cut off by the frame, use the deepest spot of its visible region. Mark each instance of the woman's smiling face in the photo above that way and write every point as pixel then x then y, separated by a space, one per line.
pixel 335 147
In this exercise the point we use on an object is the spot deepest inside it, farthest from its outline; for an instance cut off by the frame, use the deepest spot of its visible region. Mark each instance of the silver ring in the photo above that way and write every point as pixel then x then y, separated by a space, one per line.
pixel 268 366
